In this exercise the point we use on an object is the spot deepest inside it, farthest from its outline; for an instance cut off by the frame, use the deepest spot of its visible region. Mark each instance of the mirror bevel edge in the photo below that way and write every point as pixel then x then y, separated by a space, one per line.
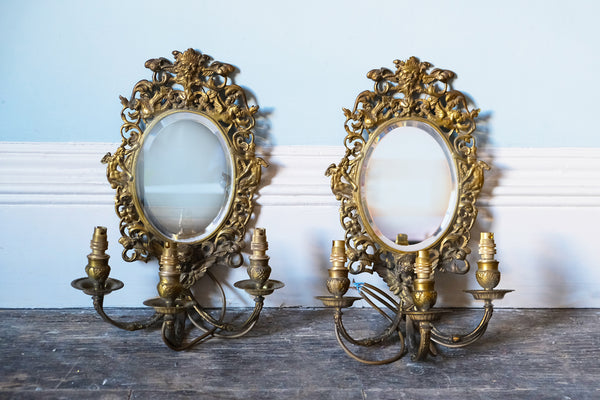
pixel 411 91
pixel 133 183
pixel 193 82
pixel 358 198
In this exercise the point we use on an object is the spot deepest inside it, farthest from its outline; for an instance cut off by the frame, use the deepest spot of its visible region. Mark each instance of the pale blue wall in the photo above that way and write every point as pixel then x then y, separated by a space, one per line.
pixel 532 66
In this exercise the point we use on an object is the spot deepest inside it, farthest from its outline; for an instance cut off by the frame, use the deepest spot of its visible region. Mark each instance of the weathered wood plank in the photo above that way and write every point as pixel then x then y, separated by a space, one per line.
pixel 292 353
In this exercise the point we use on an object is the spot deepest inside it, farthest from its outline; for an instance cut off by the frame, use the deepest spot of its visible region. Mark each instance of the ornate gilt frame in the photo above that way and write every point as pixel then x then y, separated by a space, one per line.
pixel 412 91
pixel 193 82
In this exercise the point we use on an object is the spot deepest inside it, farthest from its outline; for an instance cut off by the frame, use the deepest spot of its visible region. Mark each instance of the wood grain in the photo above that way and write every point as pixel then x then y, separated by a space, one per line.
pixel 292 353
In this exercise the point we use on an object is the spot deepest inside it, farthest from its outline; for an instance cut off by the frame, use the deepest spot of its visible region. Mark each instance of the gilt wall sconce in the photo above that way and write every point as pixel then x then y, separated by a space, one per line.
pixel 408 185
pixel 185 177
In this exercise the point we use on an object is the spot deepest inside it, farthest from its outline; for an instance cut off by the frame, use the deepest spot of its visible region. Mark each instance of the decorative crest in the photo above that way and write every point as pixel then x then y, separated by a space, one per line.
pixel 412 91
pixel 196 83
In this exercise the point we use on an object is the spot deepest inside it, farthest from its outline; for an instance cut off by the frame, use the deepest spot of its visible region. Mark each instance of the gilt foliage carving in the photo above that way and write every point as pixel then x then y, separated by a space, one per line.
pixel 412 90
pixel 197 83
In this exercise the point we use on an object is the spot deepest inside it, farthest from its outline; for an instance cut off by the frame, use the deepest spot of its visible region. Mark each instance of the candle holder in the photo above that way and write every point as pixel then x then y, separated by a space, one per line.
pixel 408 184
pixel 97 284
pixel 185 174
pixel 259 271
pixel 416 312
pixel 176 303
pixel 338 282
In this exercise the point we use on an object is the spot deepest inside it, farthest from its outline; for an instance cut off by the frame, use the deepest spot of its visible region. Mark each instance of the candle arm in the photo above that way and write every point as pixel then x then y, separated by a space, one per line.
pixel 340 332
pixel 217 324
pixel 128 326
pixel 455 341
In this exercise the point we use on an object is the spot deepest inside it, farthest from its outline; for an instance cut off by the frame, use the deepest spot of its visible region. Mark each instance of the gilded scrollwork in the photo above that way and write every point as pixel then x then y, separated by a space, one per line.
pixel 197 83
pixel 412 90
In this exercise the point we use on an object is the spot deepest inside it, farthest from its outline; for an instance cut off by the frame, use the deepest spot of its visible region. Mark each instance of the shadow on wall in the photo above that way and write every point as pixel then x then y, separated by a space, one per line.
pixel 451 286
pixel 263 141
pixel 206 291
pixel 491 177
pixel 553 255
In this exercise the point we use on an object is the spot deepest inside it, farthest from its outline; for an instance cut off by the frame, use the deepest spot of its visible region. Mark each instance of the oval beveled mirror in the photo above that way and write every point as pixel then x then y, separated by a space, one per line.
pixel 410 177
pixel 186 170
pixel 408 185
pixel 184 176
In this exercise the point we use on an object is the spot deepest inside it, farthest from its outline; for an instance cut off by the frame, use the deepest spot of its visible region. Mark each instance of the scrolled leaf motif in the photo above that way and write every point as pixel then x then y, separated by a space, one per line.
pixel 192 82
pixel 454 248
pixel 412 90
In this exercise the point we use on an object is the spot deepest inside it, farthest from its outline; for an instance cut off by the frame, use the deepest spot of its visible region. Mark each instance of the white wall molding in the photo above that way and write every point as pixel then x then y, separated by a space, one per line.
pixel 54 173
pixel 71 173
pixel 542 203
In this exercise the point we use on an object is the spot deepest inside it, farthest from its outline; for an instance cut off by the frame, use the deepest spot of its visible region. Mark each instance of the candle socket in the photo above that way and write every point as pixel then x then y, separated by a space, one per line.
pixel 259 270
pixel 488 275
pixel 169 286
pixel 424 295
pixel 402 239
pixel 97 268
pixel 338 282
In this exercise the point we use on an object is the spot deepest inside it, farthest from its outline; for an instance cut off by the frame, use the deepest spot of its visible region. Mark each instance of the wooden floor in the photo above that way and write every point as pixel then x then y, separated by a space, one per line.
pixel 292 353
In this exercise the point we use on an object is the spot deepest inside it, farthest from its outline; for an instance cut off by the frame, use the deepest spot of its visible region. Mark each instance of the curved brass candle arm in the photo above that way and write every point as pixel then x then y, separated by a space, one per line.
pixel 168 326
pixel 455 341
pixel 425 327
pixel 177 303
pixel 176 309
pixel 366 291
pixel 98 284
pixel 190 217
pixel 337 284
pixel 340 332
pixel 173 326
pixel 238 333
pixel 128 326
pixel 198 308
pixel 408 242
pixel 372 304
pixel 217 323
pixel 219 327
pixel 369 341
pixel 379 295
pixel 488 277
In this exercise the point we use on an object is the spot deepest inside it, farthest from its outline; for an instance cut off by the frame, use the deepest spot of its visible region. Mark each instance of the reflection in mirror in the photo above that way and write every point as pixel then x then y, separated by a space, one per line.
pixel 184 176
pixel 408 185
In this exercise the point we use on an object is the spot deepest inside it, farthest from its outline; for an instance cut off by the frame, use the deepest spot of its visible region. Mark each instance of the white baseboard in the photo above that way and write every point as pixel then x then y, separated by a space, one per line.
pixel 542 204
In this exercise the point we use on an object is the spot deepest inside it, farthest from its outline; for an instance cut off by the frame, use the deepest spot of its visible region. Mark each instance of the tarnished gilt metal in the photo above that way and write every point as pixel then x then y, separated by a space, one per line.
pixel 193 82
pixel 413 91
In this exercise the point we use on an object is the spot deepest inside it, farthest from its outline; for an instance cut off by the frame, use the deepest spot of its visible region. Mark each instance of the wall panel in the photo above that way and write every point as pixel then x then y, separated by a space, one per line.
pixel 541 203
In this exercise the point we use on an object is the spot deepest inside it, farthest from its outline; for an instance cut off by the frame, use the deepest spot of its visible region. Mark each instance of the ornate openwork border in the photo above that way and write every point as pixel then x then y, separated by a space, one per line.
pixel 412 90
pixel 193 82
